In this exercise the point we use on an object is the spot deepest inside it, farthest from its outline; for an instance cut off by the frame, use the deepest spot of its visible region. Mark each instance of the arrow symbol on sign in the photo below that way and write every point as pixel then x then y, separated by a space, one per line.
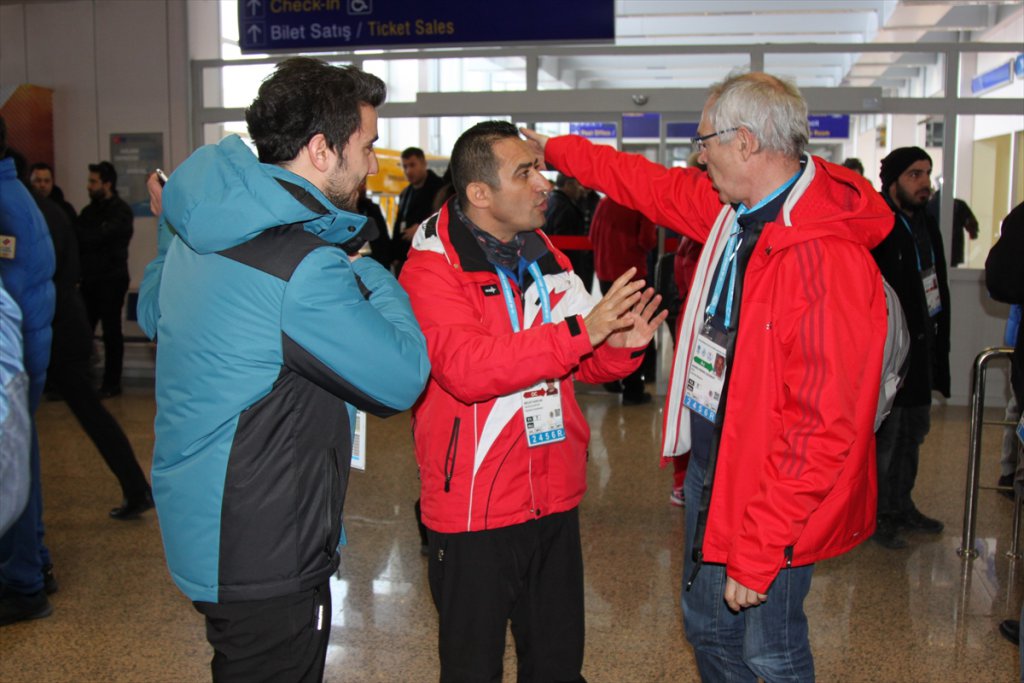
pixel 253 5
pixel 254 32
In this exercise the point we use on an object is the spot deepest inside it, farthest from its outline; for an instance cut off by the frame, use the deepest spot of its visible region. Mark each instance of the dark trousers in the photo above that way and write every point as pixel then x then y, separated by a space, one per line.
pixel 898 443
pixel 103 302
pixel 633 383
pixel 71 379
pixel 273 640
pixel 531 574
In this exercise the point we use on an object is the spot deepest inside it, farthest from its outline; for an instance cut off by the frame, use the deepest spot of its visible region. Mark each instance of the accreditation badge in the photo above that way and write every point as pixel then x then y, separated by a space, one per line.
pixel 931 291
pixel 542 411
pixel 1020 429
pixel 706 377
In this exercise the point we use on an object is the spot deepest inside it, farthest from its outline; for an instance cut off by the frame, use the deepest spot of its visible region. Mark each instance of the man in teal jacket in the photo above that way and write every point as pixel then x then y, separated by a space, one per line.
pixel 270 337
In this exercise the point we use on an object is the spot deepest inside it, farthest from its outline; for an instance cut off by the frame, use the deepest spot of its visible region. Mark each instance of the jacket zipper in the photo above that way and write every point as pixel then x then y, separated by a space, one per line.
pixel 449 457
pixel 788 552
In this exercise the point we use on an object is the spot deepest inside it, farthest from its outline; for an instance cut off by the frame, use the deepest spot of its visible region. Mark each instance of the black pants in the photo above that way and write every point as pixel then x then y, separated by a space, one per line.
pixel 273 640
pixel 103 302
pixel 531 574
pixel 633 383
pixel 72 380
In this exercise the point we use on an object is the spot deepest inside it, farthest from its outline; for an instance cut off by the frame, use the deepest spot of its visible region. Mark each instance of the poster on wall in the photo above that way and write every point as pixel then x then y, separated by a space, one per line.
pixel 135 156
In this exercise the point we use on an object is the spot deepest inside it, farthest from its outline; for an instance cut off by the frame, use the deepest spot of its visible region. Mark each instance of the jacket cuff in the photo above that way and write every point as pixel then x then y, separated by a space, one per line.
pixel 578 336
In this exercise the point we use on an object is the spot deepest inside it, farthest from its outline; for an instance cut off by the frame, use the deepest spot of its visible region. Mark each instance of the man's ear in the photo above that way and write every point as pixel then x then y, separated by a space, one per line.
pixel 748 144
pixel 479 194
pixel 319 153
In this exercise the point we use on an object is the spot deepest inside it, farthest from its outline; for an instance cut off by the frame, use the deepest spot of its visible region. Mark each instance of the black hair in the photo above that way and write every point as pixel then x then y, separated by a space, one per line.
pixel 410 152
pixel 473 155
pixel 306 96
pixel 854 164
pixel 106 172
pixel 41 166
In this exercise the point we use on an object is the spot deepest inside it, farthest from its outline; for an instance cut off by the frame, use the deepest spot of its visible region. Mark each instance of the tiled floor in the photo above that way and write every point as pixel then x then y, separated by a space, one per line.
pixel 876 615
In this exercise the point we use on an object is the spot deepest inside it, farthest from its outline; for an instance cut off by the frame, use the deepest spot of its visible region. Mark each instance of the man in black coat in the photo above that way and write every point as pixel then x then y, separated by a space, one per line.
pixel 104 230
pixel 69 370
pixel 415 204
pixel 912 260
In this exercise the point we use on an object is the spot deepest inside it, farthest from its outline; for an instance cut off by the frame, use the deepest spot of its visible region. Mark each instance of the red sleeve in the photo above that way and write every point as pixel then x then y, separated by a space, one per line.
pixel 680 199
pixel 609 363
pixel 824 322
pixel 469 360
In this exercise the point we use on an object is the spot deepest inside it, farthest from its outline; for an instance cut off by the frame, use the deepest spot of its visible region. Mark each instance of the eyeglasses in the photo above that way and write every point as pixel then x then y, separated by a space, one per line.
pixel 699 144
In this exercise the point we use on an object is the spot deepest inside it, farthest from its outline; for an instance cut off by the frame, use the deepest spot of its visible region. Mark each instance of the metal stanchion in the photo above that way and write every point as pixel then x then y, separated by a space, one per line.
pixel 967 549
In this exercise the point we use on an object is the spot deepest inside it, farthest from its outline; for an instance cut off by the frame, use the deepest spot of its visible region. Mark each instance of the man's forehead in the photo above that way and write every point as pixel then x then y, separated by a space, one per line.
pixel 920 165
pixel 513 153
pixel 41 173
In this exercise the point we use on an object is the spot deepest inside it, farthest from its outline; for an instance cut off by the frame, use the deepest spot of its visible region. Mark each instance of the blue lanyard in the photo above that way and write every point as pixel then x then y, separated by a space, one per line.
pixel 913 240
pixel 510 301
pixel 728 268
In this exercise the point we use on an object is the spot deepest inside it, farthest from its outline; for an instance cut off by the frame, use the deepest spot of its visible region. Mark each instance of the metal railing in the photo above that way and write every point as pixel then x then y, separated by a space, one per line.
pixel 981 362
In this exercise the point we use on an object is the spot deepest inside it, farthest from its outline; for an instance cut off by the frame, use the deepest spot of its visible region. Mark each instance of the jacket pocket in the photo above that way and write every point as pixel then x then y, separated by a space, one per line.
pixel 449 456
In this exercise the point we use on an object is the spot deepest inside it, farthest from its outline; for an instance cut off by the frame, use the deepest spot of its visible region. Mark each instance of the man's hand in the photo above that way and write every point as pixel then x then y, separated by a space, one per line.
pixel 537 142
pixel 612 312
pixel 738 596
pixel 156 194
pixel 644 324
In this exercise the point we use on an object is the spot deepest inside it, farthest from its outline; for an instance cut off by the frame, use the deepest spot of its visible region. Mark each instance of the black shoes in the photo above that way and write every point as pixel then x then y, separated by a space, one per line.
pixel 1010 629
pixel 640 400
pixel 915 521
pixel 131 509
pixel 613 387
pixel 1006 480
pixel 109 392
pixel 887 536
pixel 15 607
pixel 50 585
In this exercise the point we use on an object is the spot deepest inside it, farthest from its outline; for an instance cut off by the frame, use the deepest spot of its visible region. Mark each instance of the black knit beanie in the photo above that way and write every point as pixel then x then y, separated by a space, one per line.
pixel 898 161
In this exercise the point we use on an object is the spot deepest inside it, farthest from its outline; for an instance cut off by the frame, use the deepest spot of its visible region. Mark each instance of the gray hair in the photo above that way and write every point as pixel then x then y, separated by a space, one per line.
pixel 769 107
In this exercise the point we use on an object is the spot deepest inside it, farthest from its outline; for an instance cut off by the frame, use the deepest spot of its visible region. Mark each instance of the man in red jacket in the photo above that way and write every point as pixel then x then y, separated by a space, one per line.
pixel 788 302
pixel 500 441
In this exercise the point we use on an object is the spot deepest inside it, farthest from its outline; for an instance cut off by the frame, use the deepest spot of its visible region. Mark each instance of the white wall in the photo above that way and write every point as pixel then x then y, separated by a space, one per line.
pixel 115 66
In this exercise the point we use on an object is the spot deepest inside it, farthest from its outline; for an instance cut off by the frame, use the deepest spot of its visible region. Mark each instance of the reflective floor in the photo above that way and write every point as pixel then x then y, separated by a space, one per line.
pixel 876 615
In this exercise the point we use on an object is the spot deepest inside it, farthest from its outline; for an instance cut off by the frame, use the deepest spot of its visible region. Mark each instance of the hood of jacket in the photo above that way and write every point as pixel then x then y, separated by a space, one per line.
pixel 832 201
pixel 222 196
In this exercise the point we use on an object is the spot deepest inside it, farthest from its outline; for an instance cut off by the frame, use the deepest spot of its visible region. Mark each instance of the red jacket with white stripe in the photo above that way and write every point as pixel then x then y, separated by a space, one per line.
pixel 795 471
pixel 476 470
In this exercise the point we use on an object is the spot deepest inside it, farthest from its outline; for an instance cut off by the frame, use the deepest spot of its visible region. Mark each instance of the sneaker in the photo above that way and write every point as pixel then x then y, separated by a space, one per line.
pixel 915 521
pixel 886 535
pixel 15 607
pixel 677 498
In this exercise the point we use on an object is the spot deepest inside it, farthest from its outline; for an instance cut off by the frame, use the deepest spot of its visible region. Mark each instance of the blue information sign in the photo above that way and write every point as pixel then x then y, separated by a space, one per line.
pixel 831 126
pixel 592 129
pixel 1000 75
pixel 1018 66
pixel 308 25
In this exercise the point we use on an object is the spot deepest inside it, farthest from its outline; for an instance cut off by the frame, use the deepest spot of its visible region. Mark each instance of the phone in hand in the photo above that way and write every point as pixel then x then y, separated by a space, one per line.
pixel 161 177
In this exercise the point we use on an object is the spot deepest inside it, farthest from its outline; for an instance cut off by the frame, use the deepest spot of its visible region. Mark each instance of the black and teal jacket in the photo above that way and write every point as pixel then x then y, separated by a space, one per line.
pixel 268 340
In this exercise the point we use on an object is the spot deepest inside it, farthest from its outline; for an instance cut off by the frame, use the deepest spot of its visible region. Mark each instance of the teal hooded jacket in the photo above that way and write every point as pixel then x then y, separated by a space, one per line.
pixel 269 338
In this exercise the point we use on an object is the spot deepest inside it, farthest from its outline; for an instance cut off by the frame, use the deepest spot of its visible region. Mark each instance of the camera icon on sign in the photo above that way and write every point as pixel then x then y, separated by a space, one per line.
pixel 360 6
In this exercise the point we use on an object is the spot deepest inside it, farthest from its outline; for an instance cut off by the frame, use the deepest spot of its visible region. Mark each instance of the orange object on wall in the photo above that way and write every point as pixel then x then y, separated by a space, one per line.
pixel 28 112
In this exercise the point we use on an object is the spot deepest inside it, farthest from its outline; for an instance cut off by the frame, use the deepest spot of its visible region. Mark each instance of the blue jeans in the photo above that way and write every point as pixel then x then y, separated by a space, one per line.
pixel 769 640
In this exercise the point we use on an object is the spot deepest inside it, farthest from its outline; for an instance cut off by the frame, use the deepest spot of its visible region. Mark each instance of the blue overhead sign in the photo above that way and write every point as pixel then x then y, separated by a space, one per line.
pixel 593 129
pixel 310 25
pixel 1001 75
pixel 829 126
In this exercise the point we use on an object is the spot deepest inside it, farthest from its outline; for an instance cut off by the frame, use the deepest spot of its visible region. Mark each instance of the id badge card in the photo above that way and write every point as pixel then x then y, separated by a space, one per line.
pixel 931 291
pixel 705 378
pixel 542 411
pixel 359 442
pixel 1020 429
